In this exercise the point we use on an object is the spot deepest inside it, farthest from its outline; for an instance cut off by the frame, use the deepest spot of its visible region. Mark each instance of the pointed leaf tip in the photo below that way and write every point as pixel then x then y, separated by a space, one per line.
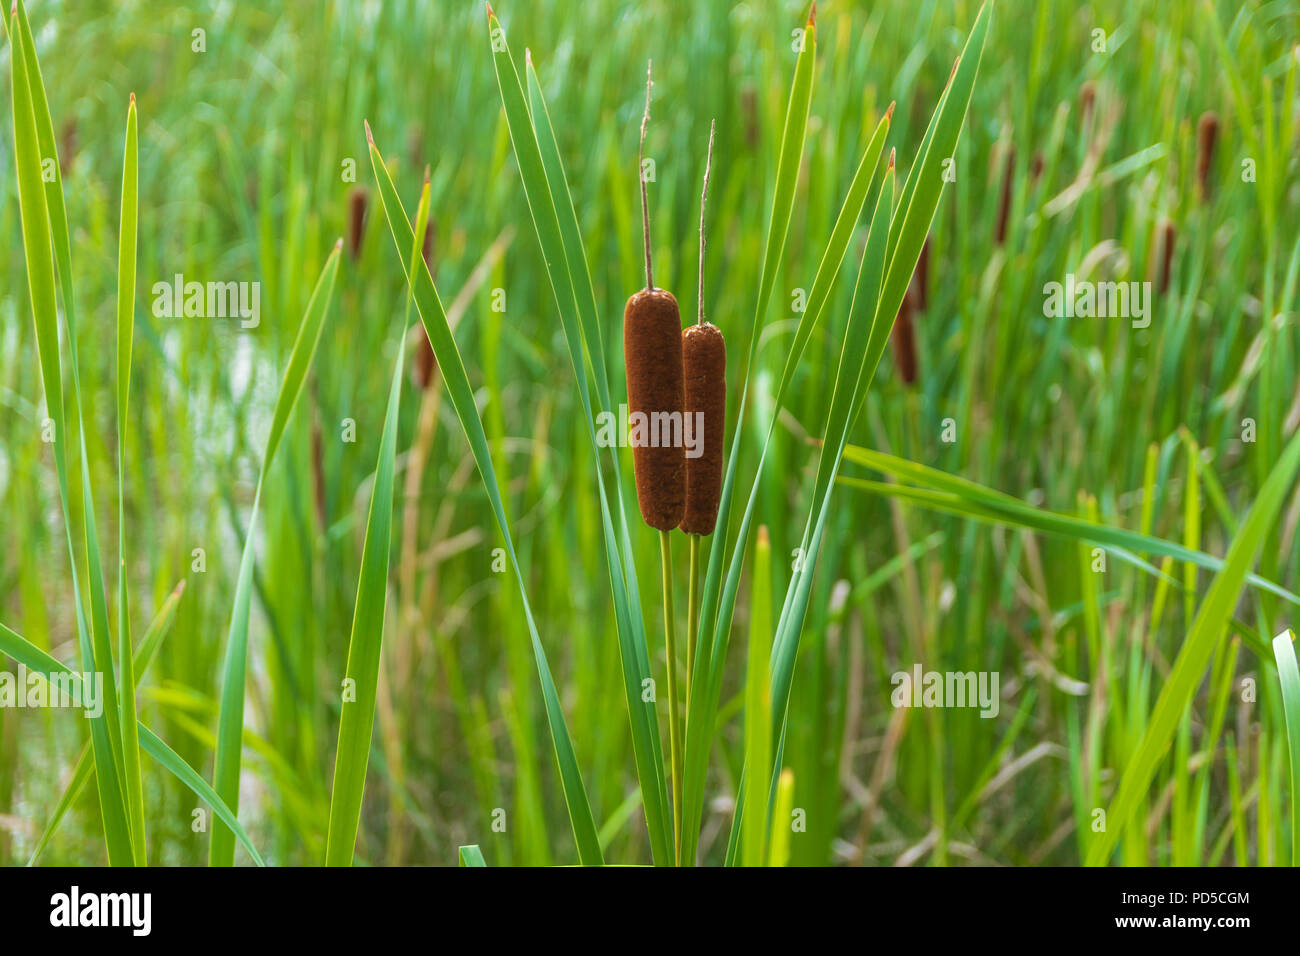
pixel 369 136
pixel 133 98
pixel 889 113
pixel 338 244
pixel 812 14
pixel 891 157
pixel 488 4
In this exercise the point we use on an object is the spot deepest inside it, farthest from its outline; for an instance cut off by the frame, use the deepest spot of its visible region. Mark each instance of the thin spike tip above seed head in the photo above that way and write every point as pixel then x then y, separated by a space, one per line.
pixel 640 175
pixel 704 195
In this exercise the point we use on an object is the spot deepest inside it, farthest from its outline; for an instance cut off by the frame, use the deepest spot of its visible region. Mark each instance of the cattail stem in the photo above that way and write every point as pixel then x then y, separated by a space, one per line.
pixel 704 195
pixel 674 725
pixel 692 618
pixel 640 175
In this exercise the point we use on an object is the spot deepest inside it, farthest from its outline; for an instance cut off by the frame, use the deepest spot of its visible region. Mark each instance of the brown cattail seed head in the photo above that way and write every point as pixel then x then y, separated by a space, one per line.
pixel 358 201
pixel 1207 135
pixel 1087 96
pixel 704 362
pixel 1004 200
pixel 652 354
pixel 426 363
pixel 1169 239
pixel 749 109
pixel 903 338
pixel 68 144
pixel 1036 168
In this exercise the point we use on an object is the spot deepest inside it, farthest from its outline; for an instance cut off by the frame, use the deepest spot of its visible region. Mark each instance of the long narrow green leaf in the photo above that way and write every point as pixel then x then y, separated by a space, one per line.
pixel 126 256
pixel 230 721
pixel 1189 667
pixel 1289 675
pixel 758 702
pixel 452 367
pixel 547 192
pixel 36 229
pixel 352 757
pixel 715 619
pixel 864 342
pixel 1018 512
pixel 471 856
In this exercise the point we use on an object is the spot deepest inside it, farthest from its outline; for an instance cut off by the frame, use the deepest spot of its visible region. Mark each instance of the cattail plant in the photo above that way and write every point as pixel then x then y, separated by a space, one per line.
pixel 1036 165
pixel 68 144
pixel 1169 238
pixel 704 363
pixel 1087 98
pixel 358 202
pixel 425 361
pixel 1004 199
pixel 652 356
pixel 749 110
pixel 1207 136
pixel 903 338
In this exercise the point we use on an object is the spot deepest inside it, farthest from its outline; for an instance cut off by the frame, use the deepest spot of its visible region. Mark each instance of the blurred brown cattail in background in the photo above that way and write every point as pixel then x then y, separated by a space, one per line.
pixel 1036 168
pixel 903 339
pixel 1168 239
pixel 1207 135
pixel 415 146
pixel 425 361
pixel 1087 97
pixel 67 145
pixel 749 110
pixel 358 202
pixel 1004 199
pixel 319 474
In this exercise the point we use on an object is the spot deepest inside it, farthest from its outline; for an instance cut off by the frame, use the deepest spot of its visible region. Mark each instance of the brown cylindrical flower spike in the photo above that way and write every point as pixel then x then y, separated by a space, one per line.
pixel 1004 200
pixel 425 361
pixel 1207 135
pixel 1169 238
pixel 652 356
pixel 358 200
pixel 704 362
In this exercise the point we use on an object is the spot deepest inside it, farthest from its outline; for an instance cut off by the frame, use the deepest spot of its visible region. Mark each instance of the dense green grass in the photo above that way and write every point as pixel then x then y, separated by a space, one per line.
pixel 1149 689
